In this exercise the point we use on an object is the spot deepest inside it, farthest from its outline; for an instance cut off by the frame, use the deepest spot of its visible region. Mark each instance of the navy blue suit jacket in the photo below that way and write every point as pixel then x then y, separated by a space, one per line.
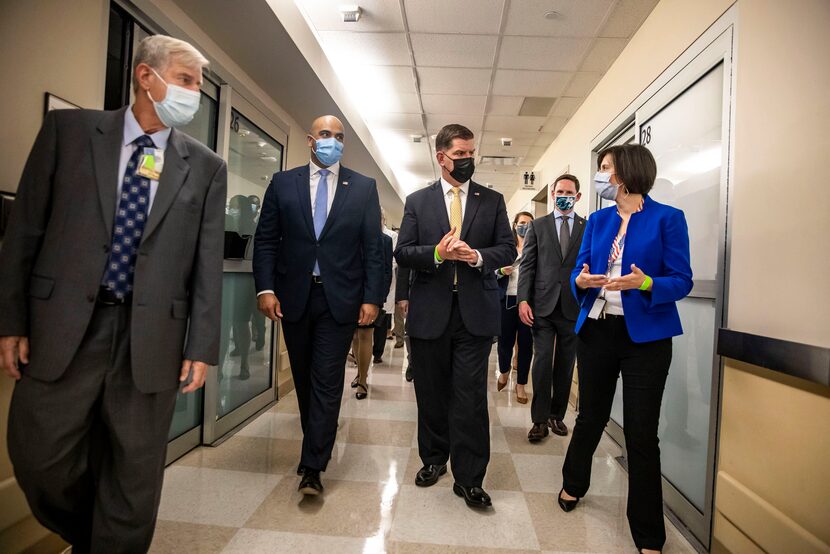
pixel 657 242
pixel 485 228
pixel 348 250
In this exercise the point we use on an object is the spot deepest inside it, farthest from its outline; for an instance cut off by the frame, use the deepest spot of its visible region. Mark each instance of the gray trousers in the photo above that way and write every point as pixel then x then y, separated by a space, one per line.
pixel 553 367
pixel 88 449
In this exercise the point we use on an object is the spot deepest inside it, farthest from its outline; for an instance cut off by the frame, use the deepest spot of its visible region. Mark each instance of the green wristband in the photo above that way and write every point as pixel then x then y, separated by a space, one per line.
pixel 438 259
pixel 647 283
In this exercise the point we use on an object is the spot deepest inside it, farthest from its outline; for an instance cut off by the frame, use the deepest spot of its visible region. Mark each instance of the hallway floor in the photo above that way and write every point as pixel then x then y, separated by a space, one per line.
pixel 242 496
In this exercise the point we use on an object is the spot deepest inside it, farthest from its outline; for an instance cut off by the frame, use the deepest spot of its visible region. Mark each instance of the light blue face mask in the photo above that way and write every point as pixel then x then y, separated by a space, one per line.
pixel 605 188
pixel 329 151
pixel 565 203
pixel 178 106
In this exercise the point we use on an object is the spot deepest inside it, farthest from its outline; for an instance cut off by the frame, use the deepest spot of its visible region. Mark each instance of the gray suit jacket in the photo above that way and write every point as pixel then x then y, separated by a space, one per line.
pixel 545 272
pixel 57 246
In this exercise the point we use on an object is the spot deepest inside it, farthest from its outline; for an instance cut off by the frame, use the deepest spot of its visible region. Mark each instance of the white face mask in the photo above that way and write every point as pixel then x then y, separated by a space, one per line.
pixel 605 188
pixel 178 106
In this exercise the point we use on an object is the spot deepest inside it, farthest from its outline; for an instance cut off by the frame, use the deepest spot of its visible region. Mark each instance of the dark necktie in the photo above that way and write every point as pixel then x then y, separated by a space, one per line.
pixel 133 207
pixel 564 235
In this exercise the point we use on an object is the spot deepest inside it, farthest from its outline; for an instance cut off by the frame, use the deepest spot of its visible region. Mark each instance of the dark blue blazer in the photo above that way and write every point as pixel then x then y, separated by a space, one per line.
pixel 348 250
pixel 657 242
pixel 485 228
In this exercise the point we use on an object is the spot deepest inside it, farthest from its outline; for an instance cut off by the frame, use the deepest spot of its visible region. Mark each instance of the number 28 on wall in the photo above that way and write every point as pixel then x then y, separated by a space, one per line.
pixel 645 135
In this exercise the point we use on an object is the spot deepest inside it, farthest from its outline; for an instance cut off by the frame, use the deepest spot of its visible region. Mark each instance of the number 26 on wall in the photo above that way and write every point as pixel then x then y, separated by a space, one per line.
pixel 645 135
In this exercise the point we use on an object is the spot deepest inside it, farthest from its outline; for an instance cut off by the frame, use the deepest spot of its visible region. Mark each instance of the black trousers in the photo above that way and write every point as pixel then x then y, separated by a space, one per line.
pixel 381 327
pixel 554 344
pixel 513 330
pixel 89 449
pixel 605 351
pixel 451 390
pixel 317 348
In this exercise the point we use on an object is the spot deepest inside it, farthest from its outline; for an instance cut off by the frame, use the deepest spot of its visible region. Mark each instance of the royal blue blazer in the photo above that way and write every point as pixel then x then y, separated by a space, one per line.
pixel 657 242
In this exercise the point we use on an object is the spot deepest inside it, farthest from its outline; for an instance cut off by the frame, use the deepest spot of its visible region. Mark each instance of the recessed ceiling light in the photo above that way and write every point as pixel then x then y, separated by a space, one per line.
pixel 552 15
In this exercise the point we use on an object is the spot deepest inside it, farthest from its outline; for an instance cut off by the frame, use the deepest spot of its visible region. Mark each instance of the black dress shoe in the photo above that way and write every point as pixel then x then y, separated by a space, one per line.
pixel 362 391
pixel 310 484
pixel 408 375
pixel 354 381
pixel 378 359
pixel 300 470
pixel 558 427
pixel 537 432
pixel 429 474
pixel 566 505
pixel 475 497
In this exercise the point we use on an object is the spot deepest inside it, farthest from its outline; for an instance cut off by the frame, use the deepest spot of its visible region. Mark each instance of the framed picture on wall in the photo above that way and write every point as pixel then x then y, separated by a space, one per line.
pixel 6 201
pixel 54 102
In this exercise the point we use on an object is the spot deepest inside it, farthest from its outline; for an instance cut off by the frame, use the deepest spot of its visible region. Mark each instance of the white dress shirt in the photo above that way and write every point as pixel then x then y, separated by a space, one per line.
pixel 132 130
pixel 613 298
pixel 448 196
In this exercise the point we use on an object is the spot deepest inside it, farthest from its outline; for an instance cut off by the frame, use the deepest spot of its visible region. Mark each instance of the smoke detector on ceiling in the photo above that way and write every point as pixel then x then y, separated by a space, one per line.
pixel 505 141
pixel 350 13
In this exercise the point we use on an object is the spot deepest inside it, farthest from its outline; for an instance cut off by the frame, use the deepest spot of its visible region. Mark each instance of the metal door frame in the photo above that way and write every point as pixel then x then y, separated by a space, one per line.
pixel 714 47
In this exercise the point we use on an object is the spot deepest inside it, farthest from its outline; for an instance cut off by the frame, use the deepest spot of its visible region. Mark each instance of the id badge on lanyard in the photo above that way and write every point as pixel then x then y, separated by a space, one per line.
pixel 598 308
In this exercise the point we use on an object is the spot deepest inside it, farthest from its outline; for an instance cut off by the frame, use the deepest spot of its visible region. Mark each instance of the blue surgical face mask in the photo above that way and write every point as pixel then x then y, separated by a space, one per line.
pixel 178 106
pixel 565 203
pixel 329 151
pixel 605 188
pixel 521 229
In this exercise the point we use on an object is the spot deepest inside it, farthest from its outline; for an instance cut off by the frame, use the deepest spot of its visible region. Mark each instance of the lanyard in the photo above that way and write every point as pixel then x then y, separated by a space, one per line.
pixel 616 249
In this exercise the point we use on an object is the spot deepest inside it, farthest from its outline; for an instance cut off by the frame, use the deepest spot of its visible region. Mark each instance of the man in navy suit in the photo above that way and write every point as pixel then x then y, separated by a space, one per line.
pixel 453 236
pixel 318 267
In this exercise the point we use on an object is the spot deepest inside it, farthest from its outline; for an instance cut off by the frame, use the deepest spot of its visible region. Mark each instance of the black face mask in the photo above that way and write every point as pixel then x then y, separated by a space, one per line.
pixel 463 169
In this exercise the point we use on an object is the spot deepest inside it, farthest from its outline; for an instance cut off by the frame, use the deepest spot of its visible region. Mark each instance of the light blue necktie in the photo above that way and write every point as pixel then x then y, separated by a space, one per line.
pixel 320 209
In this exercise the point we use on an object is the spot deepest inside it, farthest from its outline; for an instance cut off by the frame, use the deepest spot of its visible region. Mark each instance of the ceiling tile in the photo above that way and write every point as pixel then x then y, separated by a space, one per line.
pixel 369 101
pixel 537 151
pixel 544 139
pixel 514 82
pixel 494 150
pixel 505 105
pixel 627 17
pixel 566 106
pixel 576 19
pixel 554 124
pixel 513 124
pixel 352 49
pixel 388 79
pixel 552 54
pixel 603 54
pixel 453 103
pixel 441 80
pixel 376 15
pixel 454 50
pixel 436 121
pixel 396 121
pixel 582 83
pixel 519 139
pixel 440 16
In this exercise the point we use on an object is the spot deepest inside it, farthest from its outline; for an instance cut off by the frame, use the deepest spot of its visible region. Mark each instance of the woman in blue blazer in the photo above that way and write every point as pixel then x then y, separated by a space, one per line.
pixel 632 268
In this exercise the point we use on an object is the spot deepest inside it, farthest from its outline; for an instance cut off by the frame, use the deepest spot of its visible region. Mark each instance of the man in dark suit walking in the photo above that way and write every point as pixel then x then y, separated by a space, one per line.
pixel 547 305
pixel 454 234
pixel 110 280
pixel 318 266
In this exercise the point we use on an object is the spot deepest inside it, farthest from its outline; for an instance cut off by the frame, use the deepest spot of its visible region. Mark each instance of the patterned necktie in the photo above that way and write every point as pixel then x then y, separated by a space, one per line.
pixel 133 207
pixel 321 207
pixel 455 211
pixel 455 221
pixel 564 235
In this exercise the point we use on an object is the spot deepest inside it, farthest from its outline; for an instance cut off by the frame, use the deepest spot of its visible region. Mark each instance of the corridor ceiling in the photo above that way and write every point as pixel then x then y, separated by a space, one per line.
pixel 507 69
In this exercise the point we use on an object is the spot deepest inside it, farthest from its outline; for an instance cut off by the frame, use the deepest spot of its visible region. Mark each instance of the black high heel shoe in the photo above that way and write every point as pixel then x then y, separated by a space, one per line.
pixel 566 505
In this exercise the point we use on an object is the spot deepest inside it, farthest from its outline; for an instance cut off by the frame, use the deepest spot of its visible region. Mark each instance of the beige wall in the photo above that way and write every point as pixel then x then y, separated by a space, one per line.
pixel 773 489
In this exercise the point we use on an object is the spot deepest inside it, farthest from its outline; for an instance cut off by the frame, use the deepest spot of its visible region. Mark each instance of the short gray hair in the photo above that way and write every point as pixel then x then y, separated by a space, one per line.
pixel 158 51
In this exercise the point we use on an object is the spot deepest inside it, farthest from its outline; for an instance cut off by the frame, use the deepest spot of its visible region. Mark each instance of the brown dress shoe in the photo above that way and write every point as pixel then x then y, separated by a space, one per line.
pixel 558 427
pixel 537 432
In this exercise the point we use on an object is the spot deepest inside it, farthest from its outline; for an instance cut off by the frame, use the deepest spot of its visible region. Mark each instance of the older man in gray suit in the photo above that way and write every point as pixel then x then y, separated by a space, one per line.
pixel 110 279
